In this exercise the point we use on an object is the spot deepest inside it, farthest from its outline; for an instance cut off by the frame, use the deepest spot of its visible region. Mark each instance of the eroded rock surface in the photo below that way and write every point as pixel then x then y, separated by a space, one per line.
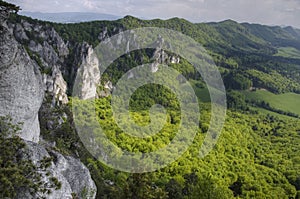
pixel 21 88
pixel 73 175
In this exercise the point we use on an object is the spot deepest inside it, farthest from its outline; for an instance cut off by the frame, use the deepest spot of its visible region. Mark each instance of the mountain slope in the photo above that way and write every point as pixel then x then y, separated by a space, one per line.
pixel 257 155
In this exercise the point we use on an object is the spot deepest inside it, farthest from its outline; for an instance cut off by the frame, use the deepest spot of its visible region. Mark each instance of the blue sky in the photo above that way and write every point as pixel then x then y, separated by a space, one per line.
pixel 271 12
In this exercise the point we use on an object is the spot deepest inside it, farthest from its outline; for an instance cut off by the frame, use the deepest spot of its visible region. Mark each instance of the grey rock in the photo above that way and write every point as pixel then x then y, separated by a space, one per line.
pixel 60 45
pixel 161 57
pixel 51 54
pixel 3 16
pixel 108 85
pixel 37 28
pixel 35 47
pixel 59 86
pixel 175 60
pixel 73 175
pixel 78 176
pixel 103 34
pixel 88 74
pixel 20 33
pixel 154 67
pixel 21 88
pixel 27 26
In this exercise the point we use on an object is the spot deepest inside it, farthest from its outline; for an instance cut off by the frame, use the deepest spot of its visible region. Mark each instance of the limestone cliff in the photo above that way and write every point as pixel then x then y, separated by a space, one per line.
pixel 49 51
pixel 32 69
pixel 88 74
pixel 21 90
pixel 73 175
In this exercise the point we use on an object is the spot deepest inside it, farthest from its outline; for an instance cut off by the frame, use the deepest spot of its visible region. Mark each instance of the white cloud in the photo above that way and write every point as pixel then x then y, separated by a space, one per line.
pixel 267 11
pixel 88 4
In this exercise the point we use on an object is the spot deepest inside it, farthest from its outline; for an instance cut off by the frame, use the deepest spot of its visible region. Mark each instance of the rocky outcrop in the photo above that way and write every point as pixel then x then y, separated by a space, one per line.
pixel 56 86
pixel 88 74
pixel 161 57
pixel 50 51
pixel 21 88
pixel 22 91
pixel 73 175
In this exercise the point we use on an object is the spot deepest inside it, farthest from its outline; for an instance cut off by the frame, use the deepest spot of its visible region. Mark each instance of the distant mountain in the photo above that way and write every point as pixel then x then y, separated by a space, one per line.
pixel 70 17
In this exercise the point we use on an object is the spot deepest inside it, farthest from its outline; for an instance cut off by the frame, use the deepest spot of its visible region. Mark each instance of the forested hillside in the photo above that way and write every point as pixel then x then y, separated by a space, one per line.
pixel 257 154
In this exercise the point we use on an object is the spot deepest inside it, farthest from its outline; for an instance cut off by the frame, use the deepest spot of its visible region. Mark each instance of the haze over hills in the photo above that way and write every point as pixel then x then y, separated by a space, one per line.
pixel 77 17
pixel 69 17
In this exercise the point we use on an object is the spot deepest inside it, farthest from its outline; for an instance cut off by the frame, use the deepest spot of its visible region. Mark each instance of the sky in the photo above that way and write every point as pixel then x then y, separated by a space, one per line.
pixel 269 12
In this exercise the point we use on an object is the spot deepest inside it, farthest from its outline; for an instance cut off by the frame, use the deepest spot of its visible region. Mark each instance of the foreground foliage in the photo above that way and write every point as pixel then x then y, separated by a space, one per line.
pixel 17 172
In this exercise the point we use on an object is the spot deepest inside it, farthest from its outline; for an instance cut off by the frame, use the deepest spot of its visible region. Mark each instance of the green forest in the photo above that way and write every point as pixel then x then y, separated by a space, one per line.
pixel 257 155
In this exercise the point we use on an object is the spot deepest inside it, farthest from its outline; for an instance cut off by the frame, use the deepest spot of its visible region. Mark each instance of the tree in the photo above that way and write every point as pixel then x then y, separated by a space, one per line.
pixel 174 189
pixel 237 81
pixel 236 187
pixel 8 7
pixel 207 188
pixel 236 100
pixel 141 186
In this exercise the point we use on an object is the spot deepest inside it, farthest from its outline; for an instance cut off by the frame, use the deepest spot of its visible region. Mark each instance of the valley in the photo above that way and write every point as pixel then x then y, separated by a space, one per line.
pixel 55 98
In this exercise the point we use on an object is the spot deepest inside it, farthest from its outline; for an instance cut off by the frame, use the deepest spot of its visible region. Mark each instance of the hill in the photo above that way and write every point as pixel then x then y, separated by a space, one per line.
pixel 256 156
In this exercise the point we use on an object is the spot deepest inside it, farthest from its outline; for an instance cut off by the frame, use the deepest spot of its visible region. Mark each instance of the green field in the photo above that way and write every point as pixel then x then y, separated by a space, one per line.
pixel 289 102
pixel 267 112
pixel 289 52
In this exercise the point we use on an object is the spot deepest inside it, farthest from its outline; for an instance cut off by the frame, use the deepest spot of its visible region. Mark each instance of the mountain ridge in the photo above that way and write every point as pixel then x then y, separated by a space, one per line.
pixel 69 17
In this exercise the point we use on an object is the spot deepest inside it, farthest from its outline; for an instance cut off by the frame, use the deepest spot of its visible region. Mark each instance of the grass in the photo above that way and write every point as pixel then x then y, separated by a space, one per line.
pixel 289 52
pixel 289 102
pixel 267 112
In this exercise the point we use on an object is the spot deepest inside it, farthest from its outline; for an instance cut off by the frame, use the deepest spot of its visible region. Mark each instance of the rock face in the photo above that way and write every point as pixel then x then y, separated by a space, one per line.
pixel 88 74
pixel 73 175
pixel 21 88
pixel 56 86
pixel 161 57
pixel 50 52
